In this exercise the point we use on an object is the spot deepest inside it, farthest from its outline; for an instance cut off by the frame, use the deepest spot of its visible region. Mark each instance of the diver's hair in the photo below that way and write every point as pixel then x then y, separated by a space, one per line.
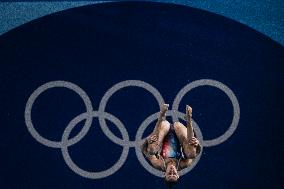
pixel 170 184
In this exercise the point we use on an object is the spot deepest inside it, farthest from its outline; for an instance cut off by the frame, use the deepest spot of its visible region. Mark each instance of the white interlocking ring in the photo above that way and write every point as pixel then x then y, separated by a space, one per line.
pixel 84 173
pixel 49 85
pixel 114 89
pixel 227 91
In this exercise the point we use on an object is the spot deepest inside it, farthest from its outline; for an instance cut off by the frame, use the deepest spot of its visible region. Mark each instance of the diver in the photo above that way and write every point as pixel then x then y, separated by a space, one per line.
pixel 171 147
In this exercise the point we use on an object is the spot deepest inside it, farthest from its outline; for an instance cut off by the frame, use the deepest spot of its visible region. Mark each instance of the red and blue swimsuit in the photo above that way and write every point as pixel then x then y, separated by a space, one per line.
pixel 171 147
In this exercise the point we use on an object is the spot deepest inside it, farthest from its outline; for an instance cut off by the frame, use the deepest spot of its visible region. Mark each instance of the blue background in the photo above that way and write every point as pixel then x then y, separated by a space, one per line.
pixel 165 45
pixel 265 16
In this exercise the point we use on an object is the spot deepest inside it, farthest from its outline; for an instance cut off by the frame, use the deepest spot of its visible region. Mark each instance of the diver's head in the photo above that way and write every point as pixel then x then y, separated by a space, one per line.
pixel 171 174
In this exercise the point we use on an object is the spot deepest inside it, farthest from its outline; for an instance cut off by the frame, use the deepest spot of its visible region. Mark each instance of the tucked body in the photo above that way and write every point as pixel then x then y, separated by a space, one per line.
pixel 171 147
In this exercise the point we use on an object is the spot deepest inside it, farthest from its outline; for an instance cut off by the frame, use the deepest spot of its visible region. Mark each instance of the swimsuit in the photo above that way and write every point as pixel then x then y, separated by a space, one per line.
pixel 171 147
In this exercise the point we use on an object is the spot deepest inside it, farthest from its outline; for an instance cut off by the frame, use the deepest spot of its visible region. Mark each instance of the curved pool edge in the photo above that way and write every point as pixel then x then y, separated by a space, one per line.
pixel 264 17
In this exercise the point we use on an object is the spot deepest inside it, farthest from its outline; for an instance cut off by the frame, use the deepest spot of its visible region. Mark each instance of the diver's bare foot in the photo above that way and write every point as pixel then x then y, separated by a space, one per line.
pixel 188 113
pixel 164 109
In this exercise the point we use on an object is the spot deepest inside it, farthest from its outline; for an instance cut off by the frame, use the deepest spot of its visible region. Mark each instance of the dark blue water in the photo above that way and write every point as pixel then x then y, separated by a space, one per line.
pixel 165 45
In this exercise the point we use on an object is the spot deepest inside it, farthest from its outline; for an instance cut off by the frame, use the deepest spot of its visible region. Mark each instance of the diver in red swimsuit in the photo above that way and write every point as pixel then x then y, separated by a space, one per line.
pixel 171 147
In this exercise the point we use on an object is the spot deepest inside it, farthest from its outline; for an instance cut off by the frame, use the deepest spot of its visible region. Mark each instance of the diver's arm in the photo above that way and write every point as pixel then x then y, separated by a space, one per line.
pixel 144 148
pixel 157 162
pixel 184 163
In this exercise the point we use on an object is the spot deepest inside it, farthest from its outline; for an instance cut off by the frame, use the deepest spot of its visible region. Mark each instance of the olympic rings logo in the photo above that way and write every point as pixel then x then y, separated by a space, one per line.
pixel 125 142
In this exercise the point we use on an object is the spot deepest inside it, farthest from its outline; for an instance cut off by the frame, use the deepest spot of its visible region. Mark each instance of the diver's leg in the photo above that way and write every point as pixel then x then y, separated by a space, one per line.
pixel 182 133
pixel 190 133
pixel 161 129
pixel 185 135
pixel 162 126
pixel 162 116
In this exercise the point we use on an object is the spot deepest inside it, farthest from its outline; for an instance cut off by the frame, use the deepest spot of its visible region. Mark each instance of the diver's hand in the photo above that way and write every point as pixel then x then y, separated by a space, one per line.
pixel 152 139
pixel 194 142
pixel 153 146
